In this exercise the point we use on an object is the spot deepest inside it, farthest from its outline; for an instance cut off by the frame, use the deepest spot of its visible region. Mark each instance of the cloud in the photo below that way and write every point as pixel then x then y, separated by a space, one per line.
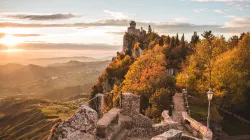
pixel 221 0
pixel 116 33
pixel 20 35
pixel 105 22
pixel 43 17
pixel 239 22
pixel 181 19
pixel 218 11
pixel 164 27
pixel 237 4
pixel 116 15
pixel 67 46
pixel 200 10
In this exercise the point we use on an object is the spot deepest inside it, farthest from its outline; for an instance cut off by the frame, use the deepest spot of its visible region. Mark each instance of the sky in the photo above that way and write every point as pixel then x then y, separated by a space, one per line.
pixel 99 25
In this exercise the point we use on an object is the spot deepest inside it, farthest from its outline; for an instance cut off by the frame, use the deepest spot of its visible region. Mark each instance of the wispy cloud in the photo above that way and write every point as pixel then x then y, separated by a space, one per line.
pixel 222 0
pixel 104 22
pixel 116 15
pixel 200 10
pixel 64 46
pixel 219 11
pixel 239 22
pixel 43 17
pixel 116 33
pixel 20 35
pixel 236 26
pixel 181 19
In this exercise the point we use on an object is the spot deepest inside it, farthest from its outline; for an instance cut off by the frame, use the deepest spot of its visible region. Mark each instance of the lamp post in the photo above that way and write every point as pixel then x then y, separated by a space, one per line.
pixel 209 96
pixel 186 81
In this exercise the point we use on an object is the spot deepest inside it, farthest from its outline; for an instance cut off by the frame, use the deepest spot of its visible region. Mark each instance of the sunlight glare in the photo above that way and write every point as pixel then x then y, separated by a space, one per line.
pixel 9 40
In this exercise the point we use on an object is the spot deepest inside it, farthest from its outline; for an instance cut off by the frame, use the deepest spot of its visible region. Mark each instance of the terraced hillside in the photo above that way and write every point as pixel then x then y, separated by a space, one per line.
pixel 28 118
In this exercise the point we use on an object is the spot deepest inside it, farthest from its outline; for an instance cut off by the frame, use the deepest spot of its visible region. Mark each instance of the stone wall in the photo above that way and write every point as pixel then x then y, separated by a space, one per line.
pixel 134 31
pixel 196 128
pixel 130 104
pixel 173 134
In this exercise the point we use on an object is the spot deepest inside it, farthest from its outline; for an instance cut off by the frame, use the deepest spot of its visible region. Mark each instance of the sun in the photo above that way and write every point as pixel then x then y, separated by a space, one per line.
pixel 9 41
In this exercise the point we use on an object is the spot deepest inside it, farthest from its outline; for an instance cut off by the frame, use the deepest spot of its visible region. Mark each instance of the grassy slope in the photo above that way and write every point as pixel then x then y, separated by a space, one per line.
pixel 230 124
pixel 31 118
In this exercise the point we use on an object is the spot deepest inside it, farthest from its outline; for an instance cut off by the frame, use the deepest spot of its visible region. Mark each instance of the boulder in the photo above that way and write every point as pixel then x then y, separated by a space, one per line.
pixel 81 126
pixel 171 134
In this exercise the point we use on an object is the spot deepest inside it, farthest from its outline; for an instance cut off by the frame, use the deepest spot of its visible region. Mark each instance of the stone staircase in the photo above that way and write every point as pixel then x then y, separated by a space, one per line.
pixel 177 113
pixel 113 126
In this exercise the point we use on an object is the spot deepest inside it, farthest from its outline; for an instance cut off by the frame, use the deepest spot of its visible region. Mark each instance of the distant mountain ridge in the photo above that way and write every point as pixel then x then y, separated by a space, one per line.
pixel 17 72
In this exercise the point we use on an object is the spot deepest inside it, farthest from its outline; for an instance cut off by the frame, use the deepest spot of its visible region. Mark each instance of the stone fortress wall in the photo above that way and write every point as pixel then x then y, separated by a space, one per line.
pixel 125 122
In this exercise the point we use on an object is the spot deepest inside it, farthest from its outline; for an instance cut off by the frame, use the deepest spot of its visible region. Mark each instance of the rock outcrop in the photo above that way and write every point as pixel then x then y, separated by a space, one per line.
pixel 81 126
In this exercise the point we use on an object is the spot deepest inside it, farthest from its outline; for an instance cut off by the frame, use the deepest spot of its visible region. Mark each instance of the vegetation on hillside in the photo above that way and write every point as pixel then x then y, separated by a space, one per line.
pixel 204 62
pixel 147 75
pixel 29 118
pixel 227 61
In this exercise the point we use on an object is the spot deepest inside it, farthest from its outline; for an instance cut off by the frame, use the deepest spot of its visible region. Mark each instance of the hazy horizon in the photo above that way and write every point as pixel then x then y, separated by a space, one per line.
pixel 38 25
pixel 24 56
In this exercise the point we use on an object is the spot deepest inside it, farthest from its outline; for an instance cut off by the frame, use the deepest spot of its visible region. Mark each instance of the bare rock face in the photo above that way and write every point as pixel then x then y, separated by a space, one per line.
pixel 81 126
pixel 171 134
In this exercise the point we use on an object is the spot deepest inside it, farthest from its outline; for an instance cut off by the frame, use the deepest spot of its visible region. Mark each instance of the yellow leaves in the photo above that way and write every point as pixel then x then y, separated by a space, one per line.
pixel 181 80
pixel 148 71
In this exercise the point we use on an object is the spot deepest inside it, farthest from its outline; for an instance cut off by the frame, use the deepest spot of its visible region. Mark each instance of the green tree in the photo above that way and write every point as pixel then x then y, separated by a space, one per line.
pixel 172 44
pixel 168 39
pixel 161 41
pixel 195 39
pixel 149 29
pixel 184 51
pixel 183 40
pixel 177 41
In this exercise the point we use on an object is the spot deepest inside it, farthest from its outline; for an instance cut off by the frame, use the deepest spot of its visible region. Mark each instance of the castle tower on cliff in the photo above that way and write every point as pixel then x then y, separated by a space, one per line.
pixel 136 34
pixel 132 29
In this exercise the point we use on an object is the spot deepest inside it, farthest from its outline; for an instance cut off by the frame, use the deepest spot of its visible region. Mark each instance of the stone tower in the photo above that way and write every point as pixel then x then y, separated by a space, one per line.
pixel 132 24
pixel 132 29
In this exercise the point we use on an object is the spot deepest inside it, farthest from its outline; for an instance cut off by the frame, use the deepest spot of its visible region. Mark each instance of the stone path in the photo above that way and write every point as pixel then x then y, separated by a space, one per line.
pixel 178 109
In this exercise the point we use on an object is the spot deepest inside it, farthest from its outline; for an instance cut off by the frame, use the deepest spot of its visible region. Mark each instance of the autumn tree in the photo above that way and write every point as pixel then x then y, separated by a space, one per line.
pixel 233 41
pixel 231 77
pixel 146 76
pixel 201 63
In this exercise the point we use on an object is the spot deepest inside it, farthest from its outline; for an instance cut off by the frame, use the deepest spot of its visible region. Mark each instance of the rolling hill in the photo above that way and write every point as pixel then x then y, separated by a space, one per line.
pixel 37 81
